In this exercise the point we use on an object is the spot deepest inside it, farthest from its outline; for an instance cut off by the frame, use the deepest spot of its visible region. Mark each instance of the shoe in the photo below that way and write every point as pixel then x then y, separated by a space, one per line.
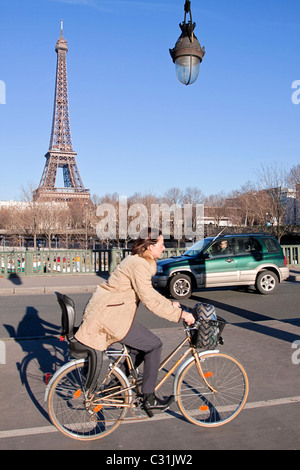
pixel 151 402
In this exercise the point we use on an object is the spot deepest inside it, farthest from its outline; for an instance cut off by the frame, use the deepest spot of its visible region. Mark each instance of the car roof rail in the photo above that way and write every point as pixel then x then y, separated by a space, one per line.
pixel 247 233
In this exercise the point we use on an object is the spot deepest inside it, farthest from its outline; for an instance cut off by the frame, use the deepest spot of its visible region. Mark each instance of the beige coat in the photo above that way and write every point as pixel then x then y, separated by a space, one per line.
pixel 111 310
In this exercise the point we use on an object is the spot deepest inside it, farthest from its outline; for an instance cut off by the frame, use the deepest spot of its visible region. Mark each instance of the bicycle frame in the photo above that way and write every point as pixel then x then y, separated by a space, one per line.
pixel 190 355
pixel 119 354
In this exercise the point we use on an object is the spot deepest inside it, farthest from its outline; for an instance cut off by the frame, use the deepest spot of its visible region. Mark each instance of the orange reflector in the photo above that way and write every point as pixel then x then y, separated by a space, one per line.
pixel 97 408
pixel 208 374
pixel 203 408
pixel 77 393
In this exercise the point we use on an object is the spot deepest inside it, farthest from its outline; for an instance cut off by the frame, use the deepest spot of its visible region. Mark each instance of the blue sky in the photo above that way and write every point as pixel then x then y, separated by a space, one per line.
pixel 134 126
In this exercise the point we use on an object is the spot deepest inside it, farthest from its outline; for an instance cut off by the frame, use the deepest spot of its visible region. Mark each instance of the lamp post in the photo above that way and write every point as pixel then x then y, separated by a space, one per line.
pixel 187 53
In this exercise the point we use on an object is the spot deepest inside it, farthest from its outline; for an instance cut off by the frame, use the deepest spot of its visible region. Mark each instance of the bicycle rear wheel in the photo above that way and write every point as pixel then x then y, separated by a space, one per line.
pixel 215 406
pixel 80 415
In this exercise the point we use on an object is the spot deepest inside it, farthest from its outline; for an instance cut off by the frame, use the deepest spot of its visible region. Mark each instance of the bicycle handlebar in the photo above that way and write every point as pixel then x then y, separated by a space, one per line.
pixel 193 326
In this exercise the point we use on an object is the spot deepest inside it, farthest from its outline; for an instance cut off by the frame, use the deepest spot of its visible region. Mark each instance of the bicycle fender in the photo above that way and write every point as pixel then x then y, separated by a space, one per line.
pixel 58 372
pixel 80 361
pixel 186 363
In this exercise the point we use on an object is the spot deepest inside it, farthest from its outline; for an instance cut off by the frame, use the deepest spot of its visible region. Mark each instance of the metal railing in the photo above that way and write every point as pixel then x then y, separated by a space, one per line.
pixel 31 263
pixel 56 262
pixel 292 254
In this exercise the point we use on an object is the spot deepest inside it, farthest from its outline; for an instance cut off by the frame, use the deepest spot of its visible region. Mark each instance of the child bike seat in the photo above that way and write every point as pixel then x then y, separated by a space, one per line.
pixel 78 350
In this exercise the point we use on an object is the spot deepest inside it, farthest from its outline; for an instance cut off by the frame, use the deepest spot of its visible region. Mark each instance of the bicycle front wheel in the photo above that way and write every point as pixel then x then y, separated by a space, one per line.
pixel 217 398
pixel 80 415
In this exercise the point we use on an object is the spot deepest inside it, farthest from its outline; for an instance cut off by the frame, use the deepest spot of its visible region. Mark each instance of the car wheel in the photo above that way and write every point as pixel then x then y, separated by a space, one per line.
pixel 180 286
pixel 266 282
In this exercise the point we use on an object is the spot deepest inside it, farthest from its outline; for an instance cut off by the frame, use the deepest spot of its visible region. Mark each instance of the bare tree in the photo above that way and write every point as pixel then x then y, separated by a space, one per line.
pixel 293 180
pixel 193 196
pixel 274 198
pixel 27 191
pixel 52 217
pixel 142 211
pixel 216 206
pixel 293 177
pixel 173 196
pixel 272 201
pixel 111 215
pixel 4 217
pixel 31 213
pixel 241 207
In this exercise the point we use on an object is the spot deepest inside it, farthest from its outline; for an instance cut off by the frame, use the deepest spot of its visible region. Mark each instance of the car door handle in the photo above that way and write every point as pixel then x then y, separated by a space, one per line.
pixel 229 260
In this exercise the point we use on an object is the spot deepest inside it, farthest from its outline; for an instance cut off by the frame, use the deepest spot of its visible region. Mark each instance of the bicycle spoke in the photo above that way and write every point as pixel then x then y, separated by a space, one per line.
pixel 204 407
pixel 80 416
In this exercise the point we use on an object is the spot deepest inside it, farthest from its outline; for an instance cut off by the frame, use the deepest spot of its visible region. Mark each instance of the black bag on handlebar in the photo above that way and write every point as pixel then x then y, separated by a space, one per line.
pixel 208 334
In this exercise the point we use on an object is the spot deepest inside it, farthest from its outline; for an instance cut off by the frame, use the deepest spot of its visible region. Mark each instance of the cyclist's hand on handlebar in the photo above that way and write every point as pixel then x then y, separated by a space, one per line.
pixel 188 318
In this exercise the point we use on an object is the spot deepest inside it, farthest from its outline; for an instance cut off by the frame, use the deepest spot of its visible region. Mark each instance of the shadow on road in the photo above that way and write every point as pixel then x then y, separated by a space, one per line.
pixel 15 279
pixel 44 354
pixel 254 320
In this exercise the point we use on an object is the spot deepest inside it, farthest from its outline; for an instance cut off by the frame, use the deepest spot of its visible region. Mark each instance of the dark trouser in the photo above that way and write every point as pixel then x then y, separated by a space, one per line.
pixel 144 346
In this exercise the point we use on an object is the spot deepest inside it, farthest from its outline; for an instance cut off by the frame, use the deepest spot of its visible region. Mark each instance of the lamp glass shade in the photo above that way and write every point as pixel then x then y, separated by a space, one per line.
pixel 187 69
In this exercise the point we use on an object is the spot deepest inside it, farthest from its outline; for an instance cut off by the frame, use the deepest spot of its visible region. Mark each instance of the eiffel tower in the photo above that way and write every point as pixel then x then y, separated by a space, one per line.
pixel 61 153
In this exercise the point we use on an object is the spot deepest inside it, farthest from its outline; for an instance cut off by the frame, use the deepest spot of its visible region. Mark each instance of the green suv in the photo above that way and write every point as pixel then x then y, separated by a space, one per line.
pixel 229 260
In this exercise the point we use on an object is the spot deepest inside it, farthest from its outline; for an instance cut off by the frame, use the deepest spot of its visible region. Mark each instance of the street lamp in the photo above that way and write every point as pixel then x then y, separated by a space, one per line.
pixel 187 53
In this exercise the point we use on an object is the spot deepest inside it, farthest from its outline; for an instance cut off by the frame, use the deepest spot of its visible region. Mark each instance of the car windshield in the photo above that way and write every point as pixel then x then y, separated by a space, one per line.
pixel 197 247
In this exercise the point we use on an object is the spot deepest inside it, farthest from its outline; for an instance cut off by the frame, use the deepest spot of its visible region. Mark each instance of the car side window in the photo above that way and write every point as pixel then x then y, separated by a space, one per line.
pixel 220 248
pixel 256 246
pixel 246 245
pixel 271 245
pixel 243 245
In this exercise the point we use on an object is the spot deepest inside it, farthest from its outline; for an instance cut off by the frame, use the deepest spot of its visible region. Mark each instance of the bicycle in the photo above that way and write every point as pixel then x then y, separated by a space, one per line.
pixel 210 388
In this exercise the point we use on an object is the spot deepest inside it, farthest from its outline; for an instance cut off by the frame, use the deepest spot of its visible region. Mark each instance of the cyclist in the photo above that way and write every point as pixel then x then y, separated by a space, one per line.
pixel 109 316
